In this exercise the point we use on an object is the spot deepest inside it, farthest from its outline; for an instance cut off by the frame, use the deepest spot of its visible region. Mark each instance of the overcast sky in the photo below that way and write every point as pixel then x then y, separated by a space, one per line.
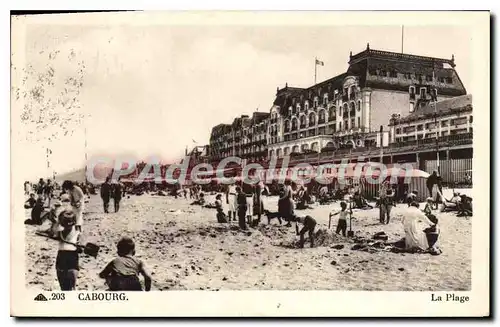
pixel 151 90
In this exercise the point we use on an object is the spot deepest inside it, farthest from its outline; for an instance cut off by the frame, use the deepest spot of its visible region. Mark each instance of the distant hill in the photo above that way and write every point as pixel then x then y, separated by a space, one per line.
pixel 76 175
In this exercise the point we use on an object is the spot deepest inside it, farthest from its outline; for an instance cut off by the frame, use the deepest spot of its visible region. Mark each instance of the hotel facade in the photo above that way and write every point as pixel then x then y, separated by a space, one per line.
pixel 381 108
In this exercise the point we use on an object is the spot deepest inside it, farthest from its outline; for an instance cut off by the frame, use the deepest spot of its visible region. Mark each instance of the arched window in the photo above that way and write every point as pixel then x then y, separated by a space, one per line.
pixel 321 118
pixel 352 106
pixel 271 153
pixel 312 119
pixel 278 153
pixel 306 105
pixel 302 121
pixel 290 110
pixel 294 124
pixel 298 107
pixel 304 147
pixel 332 112
pixel 330 145
pixel 287 151
pixel 295 149
pixel 325 99
pixel 359 105
pixel 315 146
pixel 287 126
pixel 315 102
pixel 340 125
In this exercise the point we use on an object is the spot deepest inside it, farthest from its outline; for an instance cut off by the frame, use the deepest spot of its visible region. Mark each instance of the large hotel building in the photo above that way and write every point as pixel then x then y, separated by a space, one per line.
pixel 387 106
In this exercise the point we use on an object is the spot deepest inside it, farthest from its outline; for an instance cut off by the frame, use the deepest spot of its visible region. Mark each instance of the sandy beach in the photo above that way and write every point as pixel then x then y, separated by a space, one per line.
pixel 184 248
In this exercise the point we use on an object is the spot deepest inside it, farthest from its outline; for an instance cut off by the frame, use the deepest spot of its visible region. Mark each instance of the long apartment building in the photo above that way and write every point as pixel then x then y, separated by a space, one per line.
pixel 351 110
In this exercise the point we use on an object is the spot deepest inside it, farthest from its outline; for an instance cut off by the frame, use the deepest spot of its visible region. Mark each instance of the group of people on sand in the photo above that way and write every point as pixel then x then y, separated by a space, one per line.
pixel 66 215
pixel 121 273
pixel 114 191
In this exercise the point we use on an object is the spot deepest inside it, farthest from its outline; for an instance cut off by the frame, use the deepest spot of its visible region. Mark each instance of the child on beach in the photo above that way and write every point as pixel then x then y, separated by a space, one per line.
pixel 342 224
pixel 221 216
pixel 309 224
pixel 432 235
pixel 122 273
pixel 67 265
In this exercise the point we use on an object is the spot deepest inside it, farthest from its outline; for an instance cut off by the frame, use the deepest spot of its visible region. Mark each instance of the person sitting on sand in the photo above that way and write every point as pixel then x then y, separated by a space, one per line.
pixel 309 224
pixel 200 201
pixel 465 206
pixel 428 206
pixel 343 215
pixel 67 265
pixel 122 273
pixel 432 235
pixel 221 216
pixel 411 197
pixel 452 204
pixel 415 239
pixel 360 202
pixel 30 203
pixel 37 213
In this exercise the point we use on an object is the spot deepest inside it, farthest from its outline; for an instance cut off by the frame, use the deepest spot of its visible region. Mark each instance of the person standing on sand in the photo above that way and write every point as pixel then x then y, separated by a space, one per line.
pixel 117 194
pixel 106 194
pixel 241 201
pixel 285 204
pixel 77 201
pixel 231 201
pixel 386 202
pixel 67 265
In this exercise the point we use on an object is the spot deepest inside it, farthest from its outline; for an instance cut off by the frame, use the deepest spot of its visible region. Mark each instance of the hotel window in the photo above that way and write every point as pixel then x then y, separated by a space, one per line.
pixel 420 127
pixel 420 136
pixel 470 119
pixel 444 123
pixel 325 99
pixel 449 80
pixel 353 123
pixel 298 107
pixel 315 102
pixel 359 105
pixel 412 92
pixel 398 130
pixel 306 105
pixel 359 121
pixel 334 128
pixel 340 126
pixel 346 125
pixel 423 92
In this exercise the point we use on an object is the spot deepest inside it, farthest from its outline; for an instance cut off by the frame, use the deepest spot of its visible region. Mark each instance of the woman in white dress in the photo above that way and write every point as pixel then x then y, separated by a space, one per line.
pixel 414 222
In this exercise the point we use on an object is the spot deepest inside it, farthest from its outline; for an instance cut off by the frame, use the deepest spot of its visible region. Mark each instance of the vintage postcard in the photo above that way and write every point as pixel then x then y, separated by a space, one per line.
pixel 235 164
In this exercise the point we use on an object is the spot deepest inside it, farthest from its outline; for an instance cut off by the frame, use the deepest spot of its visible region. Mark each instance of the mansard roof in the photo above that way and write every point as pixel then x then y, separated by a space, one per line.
pixel 382 70
pixel 445 107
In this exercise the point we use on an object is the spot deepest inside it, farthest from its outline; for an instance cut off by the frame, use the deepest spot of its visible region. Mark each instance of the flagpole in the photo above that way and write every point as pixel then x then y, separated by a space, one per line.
pixel 315 68
pixel 402 37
